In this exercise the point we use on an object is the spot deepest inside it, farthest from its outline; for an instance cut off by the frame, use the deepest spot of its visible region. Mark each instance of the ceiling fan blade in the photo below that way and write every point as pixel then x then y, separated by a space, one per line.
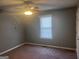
pixel 11 12
pixel 42 4
pixel 13 5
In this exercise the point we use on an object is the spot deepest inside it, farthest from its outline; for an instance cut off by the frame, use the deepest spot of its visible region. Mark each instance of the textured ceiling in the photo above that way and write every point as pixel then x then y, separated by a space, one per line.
pixel 43 4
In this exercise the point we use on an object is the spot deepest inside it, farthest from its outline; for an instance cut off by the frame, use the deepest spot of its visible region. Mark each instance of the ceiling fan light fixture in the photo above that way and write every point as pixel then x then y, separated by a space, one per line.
pixel 28 12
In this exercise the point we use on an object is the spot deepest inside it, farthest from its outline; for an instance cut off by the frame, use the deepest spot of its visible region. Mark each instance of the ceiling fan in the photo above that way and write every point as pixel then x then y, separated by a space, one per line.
pixel 30 6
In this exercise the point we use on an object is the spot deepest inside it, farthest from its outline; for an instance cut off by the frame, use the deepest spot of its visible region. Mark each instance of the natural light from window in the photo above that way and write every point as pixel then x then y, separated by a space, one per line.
pixel 46 27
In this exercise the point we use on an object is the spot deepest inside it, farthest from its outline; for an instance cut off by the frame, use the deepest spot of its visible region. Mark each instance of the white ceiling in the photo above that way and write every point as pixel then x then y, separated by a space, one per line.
pixel 45 4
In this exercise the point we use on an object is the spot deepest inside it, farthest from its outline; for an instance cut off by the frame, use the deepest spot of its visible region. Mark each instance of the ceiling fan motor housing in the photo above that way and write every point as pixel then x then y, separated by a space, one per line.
pixel 28 2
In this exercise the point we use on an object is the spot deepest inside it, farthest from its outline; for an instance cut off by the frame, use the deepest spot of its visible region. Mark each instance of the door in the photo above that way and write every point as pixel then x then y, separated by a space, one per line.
pixel 77 33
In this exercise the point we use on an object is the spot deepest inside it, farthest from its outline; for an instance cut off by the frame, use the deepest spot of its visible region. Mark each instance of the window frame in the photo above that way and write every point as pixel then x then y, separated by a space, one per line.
pixel 45 27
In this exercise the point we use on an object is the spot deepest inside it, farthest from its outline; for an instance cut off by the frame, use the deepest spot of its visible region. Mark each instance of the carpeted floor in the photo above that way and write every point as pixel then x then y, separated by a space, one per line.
pixel 38 52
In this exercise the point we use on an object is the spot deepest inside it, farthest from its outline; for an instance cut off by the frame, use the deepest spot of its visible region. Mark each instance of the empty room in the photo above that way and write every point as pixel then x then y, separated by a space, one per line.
pixel 39 29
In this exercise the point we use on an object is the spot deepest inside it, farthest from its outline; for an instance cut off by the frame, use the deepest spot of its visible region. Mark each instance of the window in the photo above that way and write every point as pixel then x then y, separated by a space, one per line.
pixel 46 27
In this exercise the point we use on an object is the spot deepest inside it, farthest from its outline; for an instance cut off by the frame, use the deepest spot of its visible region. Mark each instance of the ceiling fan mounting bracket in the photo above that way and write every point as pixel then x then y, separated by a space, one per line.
pixel 28 2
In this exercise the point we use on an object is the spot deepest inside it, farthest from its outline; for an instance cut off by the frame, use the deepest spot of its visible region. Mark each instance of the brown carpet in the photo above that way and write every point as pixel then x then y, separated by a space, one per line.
pixel 37 52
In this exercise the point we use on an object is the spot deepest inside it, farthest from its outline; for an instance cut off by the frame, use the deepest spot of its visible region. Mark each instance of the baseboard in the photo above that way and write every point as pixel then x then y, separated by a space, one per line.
pixel 73 49
pixel 11 49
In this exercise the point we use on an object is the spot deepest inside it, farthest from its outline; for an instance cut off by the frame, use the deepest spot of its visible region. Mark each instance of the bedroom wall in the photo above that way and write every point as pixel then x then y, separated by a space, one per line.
pixel 11 32
pixel 64 28
pixel 14 29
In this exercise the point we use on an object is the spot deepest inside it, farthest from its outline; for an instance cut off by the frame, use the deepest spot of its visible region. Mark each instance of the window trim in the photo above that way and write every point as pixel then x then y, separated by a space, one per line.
pixel 50 27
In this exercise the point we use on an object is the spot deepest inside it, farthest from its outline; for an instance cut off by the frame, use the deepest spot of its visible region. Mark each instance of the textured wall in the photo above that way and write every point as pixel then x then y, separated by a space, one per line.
pixel 64 32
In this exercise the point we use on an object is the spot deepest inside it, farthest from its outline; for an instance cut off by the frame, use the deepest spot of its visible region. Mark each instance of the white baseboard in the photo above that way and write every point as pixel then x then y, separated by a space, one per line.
pixel 73 49
pixel 37 45
pixel 11 49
